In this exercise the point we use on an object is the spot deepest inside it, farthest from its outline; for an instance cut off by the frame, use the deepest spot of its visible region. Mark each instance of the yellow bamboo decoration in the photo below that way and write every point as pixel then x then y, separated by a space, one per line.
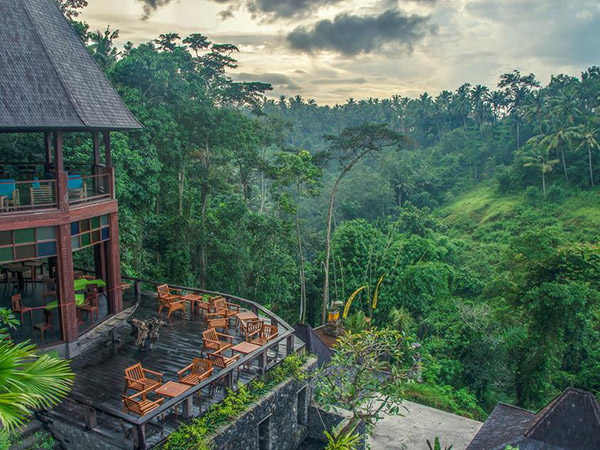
pixel 376 294
pixel 349 302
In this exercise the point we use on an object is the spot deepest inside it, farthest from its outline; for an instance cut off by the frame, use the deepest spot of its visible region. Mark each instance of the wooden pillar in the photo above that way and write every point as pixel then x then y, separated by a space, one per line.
pixel 64 284
pixel 62 191
pixel 100 252
pixel 113 259
pixel 107 158
pixel 48 151
pixel 96 147
pixel 139 437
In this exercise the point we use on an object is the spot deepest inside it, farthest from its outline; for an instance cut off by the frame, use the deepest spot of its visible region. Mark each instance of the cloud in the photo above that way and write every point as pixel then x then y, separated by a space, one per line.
pixel 274 9
pixel 326 81
pixel 152 5
pixel 351 34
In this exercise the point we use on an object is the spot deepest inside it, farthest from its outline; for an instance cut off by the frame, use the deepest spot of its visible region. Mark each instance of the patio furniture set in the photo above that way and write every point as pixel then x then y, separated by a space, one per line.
pixel 87 290
pixel 218 348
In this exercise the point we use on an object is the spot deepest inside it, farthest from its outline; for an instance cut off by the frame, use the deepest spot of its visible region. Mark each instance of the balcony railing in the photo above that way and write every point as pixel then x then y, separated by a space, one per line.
pixel 89 188
pixel 24 195
pixel 30 186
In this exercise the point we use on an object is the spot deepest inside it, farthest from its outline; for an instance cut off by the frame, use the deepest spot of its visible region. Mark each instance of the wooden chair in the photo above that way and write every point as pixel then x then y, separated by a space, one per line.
pixel 198 371
pixel 92 302
pixel 136 378
pixel 267 333
pixel 218 323
pixel 172 302
pixel 44 326
pixel 17 308
pixel 42 194
pixel 139 404
pixel 222 307
pixel 213 340
pixel 251 329
pixel 221 361
pixel 48 290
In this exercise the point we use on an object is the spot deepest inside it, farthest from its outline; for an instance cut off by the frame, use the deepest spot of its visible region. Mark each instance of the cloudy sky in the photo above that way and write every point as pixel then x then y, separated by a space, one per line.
pixel 331 50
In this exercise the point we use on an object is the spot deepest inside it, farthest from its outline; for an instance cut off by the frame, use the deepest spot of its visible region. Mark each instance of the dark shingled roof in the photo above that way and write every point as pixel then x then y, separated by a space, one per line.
pixel 314 344
pixel 48 80
pixel 570 422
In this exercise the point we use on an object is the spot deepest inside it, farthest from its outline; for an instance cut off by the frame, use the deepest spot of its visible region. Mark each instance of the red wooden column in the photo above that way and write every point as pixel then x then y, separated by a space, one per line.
pixel 113 260
pixel 64 272
pixel 64 284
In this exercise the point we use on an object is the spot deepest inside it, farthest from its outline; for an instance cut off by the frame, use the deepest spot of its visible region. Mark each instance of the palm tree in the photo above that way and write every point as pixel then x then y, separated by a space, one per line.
pixel 102 47
pixel 538 157
pixel 28 380
pixel 587 135
pixel 561 137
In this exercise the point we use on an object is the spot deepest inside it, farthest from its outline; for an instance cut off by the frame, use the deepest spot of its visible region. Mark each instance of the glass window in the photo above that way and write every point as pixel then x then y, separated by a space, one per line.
pixel 6 254
pixel 104 220
pixel 84 225
pixel 105 234
pixel 85 240
pixel 5 237
pixel 46 234
pixel 24 236
pixel 25 251
pixel 74 228
pixel 95 236
pixel 75 243
pixel 95 223
pixel 46 249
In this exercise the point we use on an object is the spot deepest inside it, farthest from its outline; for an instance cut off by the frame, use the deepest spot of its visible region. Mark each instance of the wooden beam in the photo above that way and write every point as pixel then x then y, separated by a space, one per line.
pixel 64 284
pixel 96 147
pixel 48 149
pixel 58 151
pixel 113 258
pixel 107 149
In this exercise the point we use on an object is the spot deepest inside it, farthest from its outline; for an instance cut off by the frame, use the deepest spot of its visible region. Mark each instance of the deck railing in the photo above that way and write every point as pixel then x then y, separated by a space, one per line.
pixel 34 186
pixel 285 335
pixel 24 195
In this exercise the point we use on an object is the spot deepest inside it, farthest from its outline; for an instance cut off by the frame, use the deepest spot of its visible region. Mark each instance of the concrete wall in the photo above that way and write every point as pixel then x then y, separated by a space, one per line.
pixel 274 422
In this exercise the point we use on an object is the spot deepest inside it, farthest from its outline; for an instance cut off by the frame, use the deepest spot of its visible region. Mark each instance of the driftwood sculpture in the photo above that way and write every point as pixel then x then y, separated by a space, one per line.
pixel 148 332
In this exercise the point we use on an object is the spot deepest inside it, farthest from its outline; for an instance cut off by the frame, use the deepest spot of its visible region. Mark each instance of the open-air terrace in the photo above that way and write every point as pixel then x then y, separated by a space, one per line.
pixel 96 403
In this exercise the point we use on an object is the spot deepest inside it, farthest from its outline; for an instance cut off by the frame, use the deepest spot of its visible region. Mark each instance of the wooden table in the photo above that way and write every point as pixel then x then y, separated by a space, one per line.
pixel 197 302
pixel 19 269
pixel 245 348
pixel 171 389
pixel 245 316
pixel 34 266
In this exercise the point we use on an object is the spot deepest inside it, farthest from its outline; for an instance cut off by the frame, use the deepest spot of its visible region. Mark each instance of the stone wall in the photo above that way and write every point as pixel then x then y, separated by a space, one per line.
pixel 321 421
pixel 273 423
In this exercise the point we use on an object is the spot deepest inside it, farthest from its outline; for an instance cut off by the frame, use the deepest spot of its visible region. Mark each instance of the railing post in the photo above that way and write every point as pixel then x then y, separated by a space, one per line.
pixel 262 362
pixel 187 407
pixel 89 416
pixel 290 344
pixel 139 437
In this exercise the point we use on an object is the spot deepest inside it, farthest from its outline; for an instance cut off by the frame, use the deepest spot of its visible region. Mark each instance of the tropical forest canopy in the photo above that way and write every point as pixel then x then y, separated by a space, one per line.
pixel 478 206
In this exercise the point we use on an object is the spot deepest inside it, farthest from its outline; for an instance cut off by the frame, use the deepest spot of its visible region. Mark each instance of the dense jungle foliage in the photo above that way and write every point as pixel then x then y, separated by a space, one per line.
pixel 478 205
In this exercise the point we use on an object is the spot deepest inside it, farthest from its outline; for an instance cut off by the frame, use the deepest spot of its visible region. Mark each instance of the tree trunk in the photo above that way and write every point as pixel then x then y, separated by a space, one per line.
pixel 591 168
pixel 181 186
pixel 303 303
pixel 328 248
pixel 518 136
pixel 564 163
pixel 544 183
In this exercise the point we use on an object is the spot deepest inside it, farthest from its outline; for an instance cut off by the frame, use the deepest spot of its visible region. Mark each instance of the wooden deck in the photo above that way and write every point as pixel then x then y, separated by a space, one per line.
pixel 100 382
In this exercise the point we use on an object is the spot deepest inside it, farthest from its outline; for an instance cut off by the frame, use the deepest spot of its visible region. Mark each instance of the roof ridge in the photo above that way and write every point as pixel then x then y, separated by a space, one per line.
pixel 58 73
pixel 515 407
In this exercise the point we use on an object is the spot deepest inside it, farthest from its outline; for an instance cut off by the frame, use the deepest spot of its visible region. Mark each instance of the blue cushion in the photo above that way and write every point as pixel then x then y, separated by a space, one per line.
pixel 7 187
pixel 75 182
pixel 36 184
